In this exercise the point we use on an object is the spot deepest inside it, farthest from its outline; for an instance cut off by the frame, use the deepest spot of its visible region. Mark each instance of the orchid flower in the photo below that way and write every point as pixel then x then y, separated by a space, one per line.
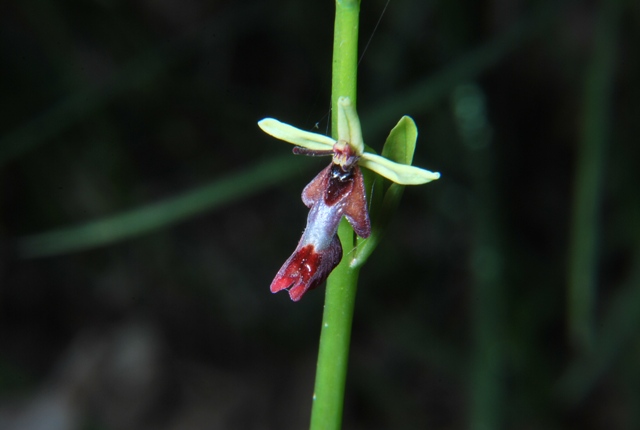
pixel 336 191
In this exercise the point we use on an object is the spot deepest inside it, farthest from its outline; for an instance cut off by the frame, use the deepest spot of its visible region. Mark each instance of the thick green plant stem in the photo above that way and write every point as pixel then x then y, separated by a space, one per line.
pixel 333 354
pixel 345 56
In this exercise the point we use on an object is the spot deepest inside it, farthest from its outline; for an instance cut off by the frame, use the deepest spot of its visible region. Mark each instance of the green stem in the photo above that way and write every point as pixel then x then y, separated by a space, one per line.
pixel 333 354
pixel 345 56
pixel 583 244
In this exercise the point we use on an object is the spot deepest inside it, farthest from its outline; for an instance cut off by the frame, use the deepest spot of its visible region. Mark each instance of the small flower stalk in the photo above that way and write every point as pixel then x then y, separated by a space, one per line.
pixel 337 191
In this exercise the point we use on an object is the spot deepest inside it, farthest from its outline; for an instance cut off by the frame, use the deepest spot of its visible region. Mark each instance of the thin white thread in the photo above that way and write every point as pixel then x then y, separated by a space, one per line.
pixel 360 59
pixel 373 32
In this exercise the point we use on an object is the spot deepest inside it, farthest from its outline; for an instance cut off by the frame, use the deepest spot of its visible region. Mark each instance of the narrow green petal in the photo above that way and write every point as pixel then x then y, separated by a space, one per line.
pixel 288 133
pixel 343 124
pixel 398 173
pixel 349 128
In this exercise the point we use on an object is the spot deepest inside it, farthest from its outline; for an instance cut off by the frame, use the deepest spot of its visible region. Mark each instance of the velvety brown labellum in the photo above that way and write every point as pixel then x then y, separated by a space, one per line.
pixel 306 269
pixel 333 186
pixel 333 193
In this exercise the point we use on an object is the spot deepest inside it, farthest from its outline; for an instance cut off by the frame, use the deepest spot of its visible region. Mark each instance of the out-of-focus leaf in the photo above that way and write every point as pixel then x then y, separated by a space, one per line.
pixel 160 215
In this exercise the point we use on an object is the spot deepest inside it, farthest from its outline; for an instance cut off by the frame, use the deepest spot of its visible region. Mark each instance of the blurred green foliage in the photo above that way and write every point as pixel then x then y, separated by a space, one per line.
pixel 137 191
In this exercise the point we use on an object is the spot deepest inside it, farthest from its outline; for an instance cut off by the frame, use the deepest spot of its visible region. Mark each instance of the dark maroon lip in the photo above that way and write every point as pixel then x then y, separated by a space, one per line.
pixel 335 192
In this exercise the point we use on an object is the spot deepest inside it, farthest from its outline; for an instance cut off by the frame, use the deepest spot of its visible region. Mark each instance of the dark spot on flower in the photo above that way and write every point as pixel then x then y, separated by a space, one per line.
pixel 340 184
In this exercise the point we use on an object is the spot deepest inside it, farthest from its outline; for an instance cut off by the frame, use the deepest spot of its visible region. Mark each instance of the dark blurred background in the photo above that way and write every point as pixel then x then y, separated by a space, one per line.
pixel 143 215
